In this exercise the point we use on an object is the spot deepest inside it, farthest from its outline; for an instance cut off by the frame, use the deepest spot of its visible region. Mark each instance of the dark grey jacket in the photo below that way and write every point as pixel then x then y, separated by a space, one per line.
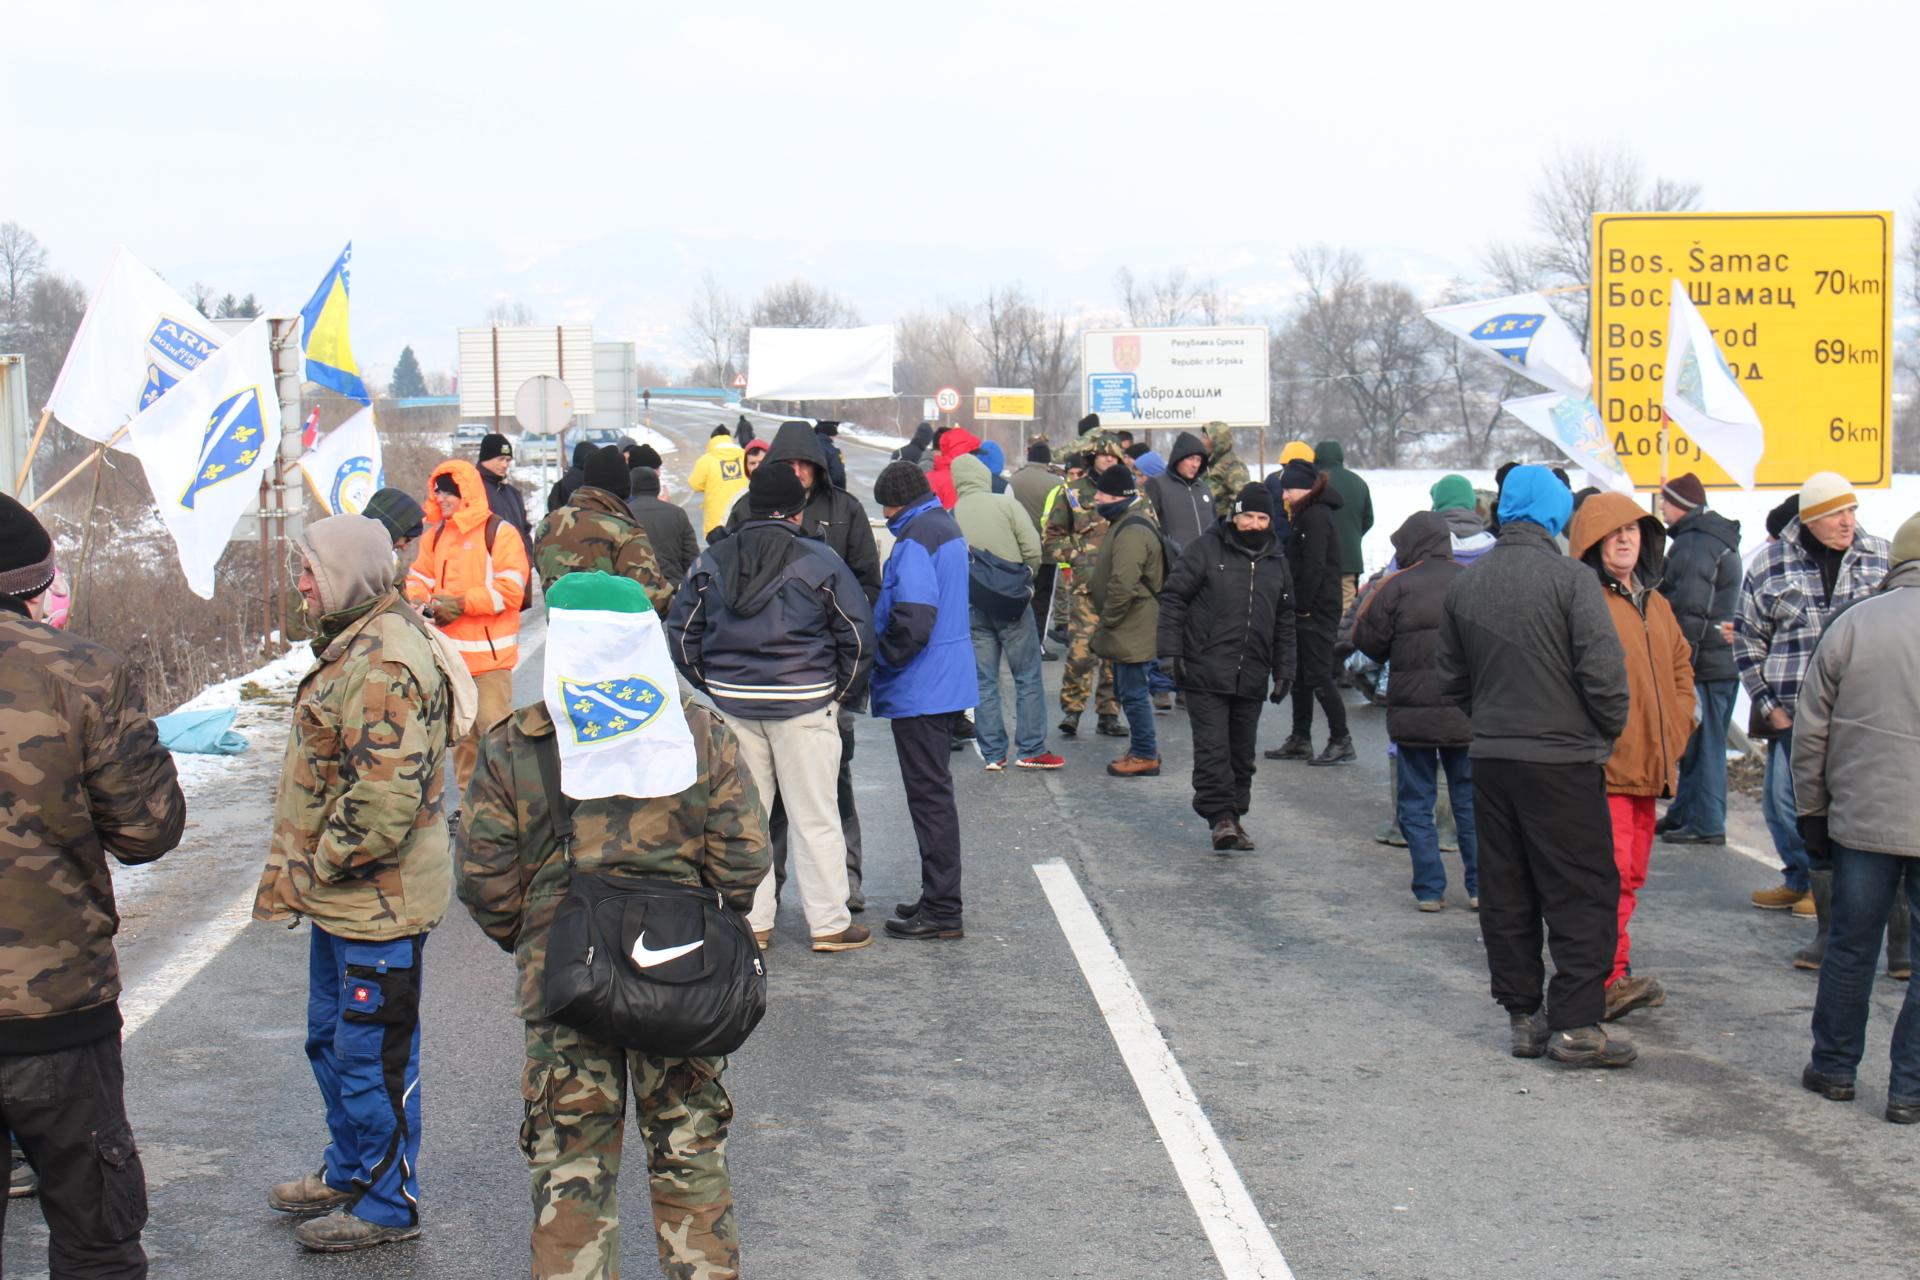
pixel 1400 622
pixel 1185 507
pixel 1528 651
pixel 668 527
pixel 1702 583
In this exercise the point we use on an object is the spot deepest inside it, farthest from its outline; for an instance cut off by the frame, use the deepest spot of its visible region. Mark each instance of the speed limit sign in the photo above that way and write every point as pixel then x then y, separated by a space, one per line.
pixel 946 399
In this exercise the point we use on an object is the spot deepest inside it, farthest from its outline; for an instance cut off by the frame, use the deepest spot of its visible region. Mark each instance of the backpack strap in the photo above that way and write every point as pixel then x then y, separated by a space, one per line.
pixel 559 809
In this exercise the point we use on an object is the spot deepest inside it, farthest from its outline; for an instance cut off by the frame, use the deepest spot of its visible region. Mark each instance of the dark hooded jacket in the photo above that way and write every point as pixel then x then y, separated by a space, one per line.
pixel 1185 507
pixel 832 515
pixel 1313 553
pixel 743 431
pixel 1354 516
pixel 1226 613
pixel 1400 623
pixel 830 453
pixel 915 450
pixel 668 527
pixel 563 488
pixel 1702 583
pixel 772 625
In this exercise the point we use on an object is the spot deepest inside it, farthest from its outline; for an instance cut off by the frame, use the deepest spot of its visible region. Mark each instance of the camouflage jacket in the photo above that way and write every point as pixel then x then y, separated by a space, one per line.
pixel 1074 529
pixel 359 836
pixel 596 530
pixel 509 869
pixel 82 775
pixel 1226 474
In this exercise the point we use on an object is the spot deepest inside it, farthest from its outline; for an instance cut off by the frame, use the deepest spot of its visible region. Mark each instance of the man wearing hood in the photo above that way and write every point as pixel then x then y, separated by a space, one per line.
pixel 1352 518
pixel 572 478
pixel 360 850
pixel 1313 554
pixel 468 579
pixel 1398 622
pixel 1226 639
pixel 774 627
pixel 596 532
pixel 1181 496
pixel 1624 545
pixel 721 475
pixel 1072 536
pixel 669 531
pixel 1528 651
pixel 915 450
pixel 955 442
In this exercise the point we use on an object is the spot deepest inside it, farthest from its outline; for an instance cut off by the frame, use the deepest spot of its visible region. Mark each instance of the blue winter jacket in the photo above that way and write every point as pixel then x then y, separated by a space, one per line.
pixel 924 666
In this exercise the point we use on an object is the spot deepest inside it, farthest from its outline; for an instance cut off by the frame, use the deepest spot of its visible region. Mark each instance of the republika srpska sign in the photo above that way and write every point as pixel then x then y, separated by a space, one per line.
pixel 1176 377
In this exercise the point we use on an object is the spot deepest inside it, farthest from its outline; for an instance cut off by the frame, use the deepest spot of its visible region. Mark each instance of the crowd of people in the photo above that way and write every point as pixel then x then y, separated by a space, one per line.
pixel 1553 666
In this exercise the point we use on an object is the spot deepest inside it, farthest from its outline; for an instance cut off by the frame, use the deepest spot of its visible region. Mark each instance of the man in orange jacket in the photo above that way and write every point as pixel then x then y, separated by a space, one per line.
pixel 469 581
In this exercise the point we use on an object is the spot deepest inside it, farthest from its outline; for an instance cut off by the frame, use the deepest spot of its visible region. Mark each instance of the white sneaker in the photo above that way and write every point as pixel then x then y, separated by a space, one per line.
pixel 996 766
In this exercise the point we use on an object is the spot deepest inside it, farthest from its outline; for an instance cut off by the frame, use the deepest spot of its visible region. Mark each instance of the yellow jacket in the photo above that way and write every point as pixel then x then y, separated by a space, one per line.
pixel 720 474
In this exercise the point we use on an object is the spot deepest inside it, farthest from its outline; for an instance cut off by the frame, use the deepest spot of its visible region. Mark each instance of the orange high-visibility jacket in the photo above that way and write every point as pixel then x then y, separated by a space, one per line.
pixel 489 581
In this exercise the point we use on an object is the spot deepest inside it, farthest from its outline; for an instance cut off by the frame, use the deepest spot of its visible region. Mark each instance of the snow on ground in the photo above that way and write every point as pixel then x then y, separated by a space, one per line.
pixel 262 721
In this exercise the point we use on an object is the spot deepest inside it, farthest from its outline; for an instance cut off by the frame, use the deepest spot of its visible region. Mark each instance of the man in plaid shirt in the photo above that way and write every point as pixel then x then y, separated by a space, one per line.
pixel 1821 563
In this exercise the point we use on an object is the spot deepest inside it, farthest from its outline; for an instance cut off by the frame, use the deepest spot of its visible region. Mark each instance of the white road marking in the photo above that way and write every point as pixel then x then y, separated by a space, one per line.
pixel 1239 1236
pixel 196 951
pixel 1770 860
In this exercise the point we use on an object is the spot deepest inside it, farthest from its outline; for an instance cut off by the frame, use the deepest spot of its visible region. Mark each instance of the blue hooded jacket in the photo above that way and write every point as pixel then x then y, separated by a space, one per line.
pixel 924 666
pixel 996 459
pixel 1535 495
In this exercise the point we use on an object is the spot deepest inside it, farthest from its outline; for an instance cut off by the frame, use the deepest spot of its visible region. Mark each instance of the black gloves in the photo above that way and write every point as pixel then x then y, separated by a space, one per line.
pixel 1281 688
pixel 1813 831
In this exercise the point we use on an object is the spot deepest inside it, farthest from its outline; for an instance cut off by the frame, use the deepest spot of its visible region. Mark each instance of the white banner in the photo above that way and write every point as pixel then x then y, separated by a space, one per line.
pixel 1176 377
pixel 1524 334
pixel 1572 425
pixel 136 341
pixel 1701 394
pixel 345 467
pixel 820 364
pixel 204 445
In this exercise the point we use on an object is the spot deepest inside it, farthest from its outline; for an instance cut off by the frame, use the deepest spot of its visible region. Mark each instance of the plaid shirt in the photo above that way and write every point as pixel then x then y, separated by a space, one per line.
pixel 1781 616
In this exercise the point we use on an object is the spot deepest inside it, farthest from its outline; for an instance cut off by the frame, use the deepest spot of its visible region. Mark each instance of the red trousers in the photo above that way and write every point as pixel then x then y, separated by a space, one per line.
pixel 1633 820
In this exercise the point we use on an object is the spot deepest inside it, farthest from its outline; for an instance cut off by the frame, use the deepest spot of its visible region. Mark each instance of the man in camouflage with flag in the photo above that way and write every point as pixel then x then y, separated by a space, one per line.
pixel 1072 537
pixel 595 529
pixel 512 876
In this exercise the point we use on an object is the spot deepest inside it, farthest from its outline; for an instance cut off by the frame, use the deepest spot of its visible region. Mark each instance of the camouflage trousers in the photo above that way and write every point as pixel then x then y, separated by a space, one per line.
pixel 1076 680
pixel 576 1093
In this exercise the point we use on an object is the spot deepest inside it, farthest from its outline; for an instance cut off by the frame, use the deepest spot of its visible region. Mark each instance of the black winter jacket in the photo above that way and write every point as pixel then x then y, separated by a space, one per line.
pixel 1702 583
pixel 572 478
pixel 832 515
pixel 1313 553
pixel 668 527
pixel 1529 651
pixel 1184 507
pixel 1400 623
pixel 1226 613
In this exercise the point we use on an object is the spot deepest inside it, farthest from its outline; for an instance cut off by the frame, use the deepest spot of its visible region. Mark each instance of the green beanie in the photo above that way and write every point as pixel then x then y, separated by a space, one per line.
pixel 1906 542
pixel 1451 493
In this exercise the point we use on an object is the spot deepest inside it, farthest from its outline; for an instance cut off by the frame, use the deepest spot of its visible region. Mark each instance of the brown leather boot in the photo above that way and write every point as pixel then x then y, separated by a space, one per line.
pixel 1132 766
pixel 307 1194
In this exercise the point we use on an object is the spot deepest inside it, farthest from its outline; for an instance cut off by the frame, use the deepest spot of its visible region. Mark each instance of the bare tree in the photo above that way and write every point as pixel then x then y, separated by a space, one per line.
pixel 202 297
pixel 1024 345
pixel 506 311
pixel 22 259
pixel 1906 426
pixel 714 335
pixel 1171 300
pixel 50 317
pixel 800 304
pixel 1577 183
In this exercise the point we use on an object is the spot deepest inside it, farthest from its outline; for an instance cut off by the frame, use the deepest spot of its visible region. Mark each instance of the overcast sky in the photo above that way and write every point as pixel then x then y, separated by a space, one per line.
pixel 593 160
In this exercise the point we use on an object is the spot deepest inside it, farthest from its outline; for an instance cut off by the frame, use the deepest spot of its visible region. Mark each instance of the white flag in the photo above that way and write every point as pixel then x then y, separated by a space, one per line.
pixel 136 341
pixel 344 467
pixel 613 693
pixel 1572 425
pixel 204 445
pixel 1701 394
pixel 1524 334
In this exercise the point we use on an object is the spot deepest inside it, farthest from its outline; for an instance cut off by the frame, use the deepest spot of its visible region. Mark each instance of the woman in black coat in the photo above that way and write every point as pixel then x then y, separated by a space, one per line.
pixel 1226 635
pixel 1313 553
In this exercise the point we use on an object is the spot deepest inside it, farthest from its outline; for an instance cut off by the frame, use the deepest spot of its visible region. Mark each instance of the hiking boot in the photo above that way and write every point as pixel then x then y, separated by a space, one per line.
pixel 1832 1088
pixel 1296 747
pixel 1633 992
pixel 763 938
pixel 1589 1047
pixel 1132 766
pixel 1806 909
pixel 307 1194
pixel 1692 837
pixel 1529 1033
pixel 1070 727
pixel 1782 898
pixel 851 938
pixel 907 910
pixel 1222 835
pixel 1430 905
pixel 921 929
pixel 1163 702
pixel 341 1232
pixel 1113 727
pixel 1902 1112
pixel 1339 751
pixel 1045 760
pixel 1241 840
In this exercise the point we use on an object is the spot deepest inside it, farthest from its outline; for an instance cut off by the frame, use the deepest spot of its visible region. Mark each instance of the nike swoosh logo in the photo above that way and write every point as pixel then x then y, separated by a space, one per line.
pixel 647 958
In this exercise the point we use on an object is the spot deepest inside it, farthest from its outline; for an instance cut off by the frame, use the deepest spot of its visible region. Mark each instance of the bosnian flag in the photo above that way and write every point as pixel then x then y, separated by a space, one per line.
pixel 1524 334
pixel 346 468
pixel 1703 397
pixel 613 693
pixel 1572 425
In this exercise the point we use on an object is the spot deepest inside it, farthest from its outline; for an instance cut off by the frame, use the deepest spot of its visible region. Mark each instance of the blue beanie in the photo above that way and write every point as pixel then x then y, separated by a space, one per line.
pixel 1535 495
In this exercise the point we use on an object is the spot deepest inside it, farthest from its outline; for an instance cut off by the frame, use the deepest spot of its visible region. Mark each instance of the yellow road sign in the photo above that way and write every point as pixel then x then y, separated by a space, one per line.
pixel 1801 306
pixel 1011 404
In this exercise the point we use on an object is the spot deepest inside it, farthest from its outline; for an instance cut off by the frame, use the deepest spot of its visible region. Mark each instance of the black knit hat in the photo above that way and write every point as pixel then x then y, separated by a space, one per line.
pixel 1298 474
pixel 775 491
pixel 1090 423
pixel 1139 450
pixel 901 484
pixel 721 430
pixel 1116 482
pixel 1782 515
pixel 398 511
pixel 827 427
pixel 643 455
pixel 607 469
pixel 494 445
pixel 26 552
pixel 1254 499
pixel 1039 451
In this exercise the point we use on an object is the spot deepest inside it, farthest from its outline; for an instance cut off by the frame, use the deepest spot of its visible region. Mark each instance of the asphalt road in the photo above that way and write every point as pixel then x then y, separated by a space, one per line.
pixel 947 1110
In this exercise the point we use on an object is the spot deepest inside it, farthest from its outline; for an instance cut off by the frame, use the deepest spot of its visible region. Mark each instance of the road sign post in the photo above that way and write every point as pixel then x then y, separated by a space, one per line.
pixel 946 400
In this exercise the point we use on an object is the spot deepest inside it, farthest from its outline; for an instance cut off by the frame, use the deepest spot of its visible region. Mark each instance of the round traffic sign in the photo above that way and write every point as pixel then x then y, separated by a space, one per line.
pixel 946 399
pixel 543 404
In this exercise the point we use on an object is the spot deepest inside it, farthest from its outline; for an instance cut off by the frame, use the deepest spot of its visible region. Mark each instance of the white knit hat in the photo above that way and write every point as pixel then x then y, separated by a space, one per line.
pixel 1824 493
